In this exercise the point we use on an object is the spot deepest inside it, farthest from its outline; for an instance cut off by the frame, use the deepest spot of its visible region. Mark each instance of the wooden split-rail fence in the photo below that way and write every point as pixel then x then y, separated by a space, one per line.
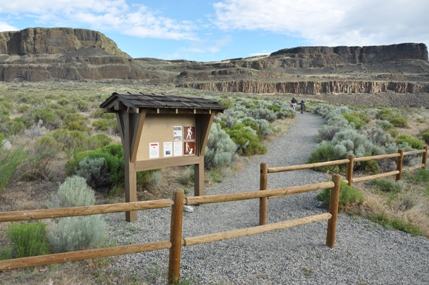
pixel 177 204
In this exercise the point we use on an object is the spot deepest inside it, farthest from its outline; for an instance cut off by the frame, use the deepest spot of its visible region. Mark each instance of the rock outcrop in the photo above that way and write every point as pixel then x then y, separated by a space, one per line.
pixel 40 41
pixel 39 54
pixel 323 56
pixel 308 87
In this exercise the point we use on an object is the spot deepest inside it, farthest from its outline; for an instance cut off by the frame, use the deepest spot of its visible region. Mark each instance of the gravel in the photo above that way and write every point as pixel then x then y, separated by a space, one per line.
pixel 364 252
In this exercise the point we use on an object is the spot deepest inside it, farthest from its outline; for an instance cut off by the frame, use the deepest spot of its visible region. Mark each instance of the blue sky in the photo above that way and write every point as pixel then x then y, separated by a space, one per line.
pixel 222 29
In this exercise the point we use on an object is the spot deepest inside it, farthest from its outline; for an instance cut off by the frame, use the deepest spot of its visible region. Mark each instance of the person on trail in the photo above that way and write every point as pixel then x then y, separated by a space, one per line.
pixel 293 101
pixel 302 103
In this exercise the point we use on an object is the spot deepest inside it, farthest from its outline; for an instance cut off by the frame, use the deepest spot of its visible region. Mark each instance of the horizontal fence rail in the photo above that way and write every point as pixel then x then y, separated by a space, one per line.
pixel 82 255
pixel 255 230
pixel 83 211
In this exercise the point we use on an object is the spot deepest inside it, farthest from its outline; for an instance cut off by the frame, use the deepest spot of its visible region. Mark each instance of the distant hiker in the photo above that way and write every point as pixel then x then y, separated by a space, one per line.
pixel 302 103
pixel 293 101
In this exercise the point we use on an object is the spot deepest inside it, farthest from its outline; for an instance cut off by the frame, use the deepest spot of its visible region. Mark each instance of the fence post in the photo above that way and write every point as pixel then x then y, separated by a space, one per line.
pixel 425 156
pixel 350 169
pixel 333 209
pixel 176 237
pixel 263 201
pixel 399 164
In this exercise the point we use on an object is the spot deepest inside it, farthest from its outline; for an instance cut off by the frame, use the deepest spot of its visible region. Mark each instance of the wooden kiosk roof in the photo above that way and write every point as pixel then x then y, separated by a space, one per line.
pixel 132 103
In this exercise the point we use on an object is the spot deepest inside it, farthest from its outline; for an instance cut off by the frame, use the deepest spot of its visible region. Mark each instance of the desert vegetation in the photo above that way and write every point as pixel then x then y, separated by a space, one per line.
pixel 56 137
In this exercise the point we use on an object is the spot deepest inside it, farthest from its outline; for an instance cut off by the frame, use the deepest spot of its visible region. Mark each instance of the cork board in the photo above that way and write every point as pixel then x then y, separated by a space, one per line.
pixel 165 136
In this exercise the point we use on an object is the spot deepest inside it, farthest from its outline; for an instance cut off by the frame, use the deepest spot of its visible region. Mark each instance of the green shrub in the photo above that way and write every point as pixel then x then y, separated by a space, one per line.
pixel 370 166
pixel 247 140
pixel 6 253
pixel 413 142
pixel 348 196
pixel 77 233
pixel 425 136
pixel 387 186
pixel 73 192
pixel 399 122
pixel 48 143
pixel 394 133
pixel 397 224
pixel 324 153
pixel 220 149
pixel 384 114
pixel 99 141
pixel 102 124
pixel 28 239
pixel 384 124
pixel 421 175
pixel 9 162
pixel 113 155
pixel 359 120
pixel 95 172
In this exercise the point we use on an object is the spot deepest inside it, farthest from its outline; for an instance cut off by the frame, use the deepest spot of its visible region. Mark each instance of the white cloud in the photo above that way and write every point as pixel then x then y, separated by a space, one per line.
pixel 330 22
pixel 6 27
pixel 115 15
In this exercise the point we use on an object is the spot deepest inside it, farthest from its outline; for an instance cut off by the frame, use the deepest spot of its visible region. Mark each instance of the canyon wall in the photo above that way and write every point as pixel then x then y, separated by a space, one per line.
pixel 308 87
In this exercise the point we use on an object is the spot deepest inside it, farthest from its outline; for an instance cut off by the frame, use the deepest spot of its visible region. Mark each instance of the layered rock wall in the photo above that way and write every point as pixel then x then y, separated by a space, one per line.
pixel 308 87
pixel 354 55
pixel 37 41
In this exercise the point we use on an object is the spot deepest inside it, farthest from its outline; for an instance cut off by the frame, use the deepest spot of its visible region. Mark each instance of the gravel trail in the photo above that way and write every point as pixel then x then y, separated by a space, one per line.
pixel 364 252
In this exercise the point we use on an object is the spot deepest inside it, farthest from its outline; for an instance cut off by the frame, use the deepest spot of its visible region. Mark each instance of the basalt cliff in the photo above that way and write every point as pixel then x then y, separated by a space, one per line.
pixel 42 54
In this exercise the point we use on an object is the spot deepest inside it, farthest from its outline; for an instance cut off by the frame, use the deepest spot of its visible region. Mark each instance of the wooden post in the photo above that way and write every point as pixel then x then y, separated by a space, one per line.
pixel 199 178
pixel 130 170
pixel 350 169
pixel 176 237
pixel 425 156
pixel 333 210
pixel 263 201
pixel 399 164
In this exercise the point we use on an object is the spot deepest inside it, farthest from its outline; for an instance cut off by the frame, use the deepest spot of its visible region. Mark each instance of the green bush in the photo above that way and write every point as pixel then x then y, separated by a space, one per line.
pixel 384 114
pixel 247 140
pixel 28 239
pixel 102 124
pixel 9 162
pixel 397 224
pixel 370 166
pixel 394 133
pixel 399 122
pixel 95 172
pixel 324 153
pixel 348 196
pixel 387 186
pixel 425 136
pixel 421 175
pixel 413 142
pixel 71 141
pixel 99 141
pixel 113 155
pixel 77 233
pixel 73 192
pixel 359 120
pixel 220 149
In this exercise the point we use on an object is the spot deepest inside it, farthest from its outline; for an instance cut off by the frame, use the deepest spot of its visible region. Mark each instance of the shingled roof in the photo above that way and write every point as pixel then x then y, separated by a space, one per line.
pixel 134 102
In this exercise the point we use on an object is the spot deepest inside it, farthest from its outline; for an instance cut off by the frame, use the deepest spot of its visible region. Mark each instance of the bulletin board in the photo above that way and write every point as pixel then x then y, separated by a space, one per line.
pixel 166 136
